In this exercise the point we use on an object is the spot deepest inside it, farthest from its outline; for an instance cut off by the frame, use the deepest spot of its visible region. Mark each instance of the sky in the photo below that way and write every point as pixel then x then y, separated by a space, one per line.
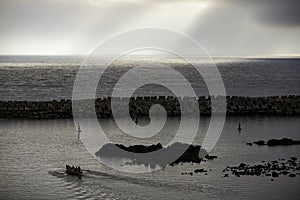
pixel 222 27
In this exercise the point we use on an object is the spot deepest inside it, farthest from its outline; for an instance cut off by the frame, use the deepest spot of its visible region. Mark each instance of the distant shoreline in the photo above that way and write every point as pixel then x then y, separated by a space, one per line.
pixel 139 106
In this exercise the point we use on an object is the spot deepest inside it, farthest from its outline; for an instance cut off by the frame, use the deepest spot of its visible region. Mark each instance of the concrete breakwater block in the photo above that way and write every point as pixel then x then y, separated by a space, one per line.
pixel 140 106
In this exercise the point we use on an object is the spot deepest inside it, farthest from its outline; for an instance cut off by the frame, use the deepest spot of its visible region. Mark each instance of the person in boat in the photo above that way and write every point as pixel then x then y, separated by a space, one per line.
pixel 73 168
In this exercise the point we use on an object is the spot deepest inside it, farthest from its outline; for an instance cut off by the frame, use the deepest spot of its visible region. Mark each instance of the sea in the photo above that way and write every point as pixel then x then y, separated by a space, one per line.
pixel 40 78
pixel 33 153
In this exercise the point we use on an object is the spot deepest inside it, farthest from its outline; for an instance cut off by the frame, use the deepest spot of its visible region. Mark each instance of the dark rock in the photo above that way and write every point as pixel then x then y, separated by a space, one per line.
pixel 242 165
pixel 275 174
pixel 293 158
pixel 209 157
pixel 140 154
pixel 249 143
pixel 292 175
pixel 260 142
pixel 285 172
pixel 268 174
pixel 283 141
pixel 275 142
pixel 271 168
pixel 200 170
pixel 292 163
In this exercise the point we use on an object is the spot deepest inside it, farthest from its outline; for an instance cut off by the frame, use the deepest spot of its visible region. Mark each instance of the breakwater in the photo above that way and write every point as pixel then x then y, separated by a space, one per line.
pixel 139 106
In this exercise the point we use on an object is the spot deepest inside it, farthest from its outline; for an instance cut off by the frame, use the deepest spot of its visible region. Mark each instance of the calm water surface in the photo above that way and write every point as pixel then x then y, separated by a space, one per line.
pixel 34 153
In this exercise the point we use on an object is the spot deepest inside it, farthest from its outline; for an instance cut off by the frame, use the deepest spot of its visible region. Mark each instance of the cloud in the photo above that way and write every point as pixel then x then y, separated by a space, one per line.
pixel 29 26
pixel 248 27
pixel 278 12
pixel 77 26
pixel 269 12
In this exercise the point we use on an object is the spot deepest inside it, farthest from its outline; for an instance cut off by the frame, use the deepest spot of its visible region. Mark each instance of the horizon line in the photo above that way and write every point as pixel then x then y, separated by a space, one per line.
pixel 213 56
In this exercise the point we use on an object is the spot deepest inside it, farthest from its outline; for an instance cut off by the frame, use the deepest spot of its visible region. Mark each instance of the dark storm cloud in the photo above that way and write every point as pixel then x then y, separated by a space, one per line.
pixel 276 12
pixel 271 12
pixel 249 27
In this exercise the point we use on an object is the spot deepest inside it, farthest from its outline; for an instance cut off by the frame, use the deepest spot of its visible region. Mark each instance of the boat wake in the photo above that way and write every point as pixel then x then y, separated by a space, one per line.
pixel 102 177
pixel 78 190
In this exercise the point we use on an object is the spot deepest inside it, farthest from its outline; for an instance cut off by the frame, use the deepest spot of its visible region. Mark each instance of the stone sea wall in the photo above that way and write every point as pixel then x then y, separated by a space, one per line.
pixel 139 106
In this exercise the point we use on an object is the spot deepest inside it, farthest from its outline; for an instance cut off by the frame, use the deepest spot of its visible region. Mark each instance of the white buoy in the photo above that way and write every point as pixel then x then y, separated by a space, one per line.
pixel 78 130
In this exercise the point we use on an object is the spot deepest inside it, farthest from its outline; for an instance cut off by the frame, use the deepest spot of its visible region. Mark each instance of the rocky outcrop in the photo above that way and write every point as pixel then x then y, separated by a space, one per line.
pixel 156 154
pixel 277 142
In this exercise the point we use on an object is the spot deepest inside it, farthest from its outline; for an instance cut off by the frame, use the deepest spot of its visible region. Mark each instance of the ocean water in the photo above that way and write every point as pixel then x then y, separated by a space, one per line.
pixel 33 155
pixel 47 78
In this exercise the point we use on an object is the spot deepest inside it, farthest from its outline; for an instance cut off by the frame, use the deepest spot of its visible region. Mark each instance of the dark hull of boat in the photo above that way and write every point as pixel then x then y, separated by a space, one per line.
pixel 74 173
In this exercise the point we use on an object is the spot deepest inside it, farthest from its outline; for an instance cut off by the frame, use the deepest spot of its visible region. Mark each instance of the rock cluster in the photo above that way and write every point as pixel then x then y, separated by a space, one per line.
pixel 268 169
pixel 196 171
pixel 276 142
